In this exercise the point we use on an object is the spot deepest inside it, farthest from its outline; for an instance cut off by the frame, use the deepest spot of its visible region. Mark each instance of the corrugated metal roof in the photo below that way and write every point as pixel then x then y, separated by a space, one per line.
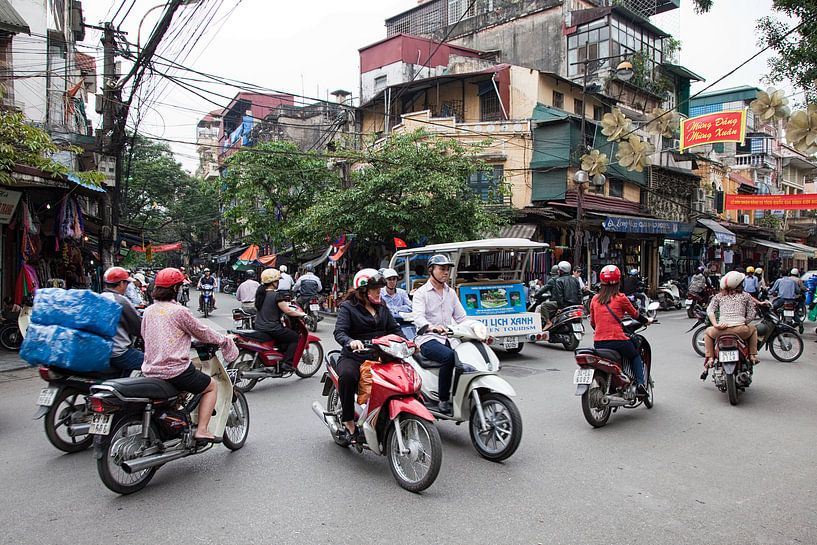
pixel 10 20
pixel 520 230
pixel 735 177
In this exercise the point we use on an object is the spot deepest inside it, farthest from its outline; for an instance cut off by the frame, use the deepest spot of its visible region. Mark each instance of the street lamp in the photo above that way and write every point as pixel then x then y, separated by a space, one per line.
pixel 139 30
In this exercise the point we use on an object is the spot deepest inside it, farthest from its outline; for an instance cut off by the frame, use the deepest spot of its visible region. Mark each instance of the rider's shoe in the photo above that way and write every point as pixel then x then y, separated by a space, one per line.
pixel 641 391
pixel 445 408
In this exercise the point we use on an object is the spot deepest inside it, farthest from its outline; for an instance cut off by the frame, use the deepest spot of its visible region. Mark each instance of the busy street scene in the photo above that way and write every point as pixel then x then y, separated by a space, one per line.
pixel 504 271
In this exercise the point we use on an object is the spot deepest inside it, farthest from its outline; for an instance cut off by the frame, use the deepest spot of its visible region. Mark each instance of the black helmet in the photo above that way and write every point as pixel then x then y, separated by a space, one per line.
pixel 439 259
pixel 250 274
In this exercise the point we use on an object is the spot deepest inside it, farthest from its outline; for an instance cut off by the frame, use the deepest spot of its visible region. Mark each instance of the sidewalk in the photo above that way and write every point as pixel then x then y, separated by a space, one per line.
pixel 10 361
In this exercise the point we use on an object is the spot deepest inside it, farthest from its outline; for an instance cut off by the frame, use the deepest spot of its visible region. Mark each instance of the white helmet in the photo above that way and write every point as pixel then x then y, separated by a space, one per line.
pixel 282 268
pixel 565 267
pixel 732 280
pixel 795 272
pixel 390 273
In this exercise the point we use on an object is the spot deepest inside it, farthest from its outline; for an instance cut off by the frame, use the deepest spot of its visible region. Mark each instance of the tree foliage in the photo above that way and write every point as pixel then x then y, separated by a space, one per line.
pixel 269 186
pixel 796 58
pixel 414 186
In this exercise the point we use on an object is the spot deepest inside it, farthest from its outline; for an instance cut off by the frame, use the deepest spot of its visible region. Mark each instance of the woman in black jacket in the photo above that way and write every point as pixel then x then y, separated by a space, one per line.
pixel 361 317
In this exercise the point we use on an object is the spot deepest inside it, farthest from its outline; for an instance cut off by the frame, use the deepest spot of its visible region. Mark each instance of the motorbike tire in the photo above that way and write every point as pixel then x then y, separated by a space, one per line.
pixel 11 338
pixel 240 416
pixel 333 406
pixel 511 421
pixel 244 362
pixel 732 389
pixel 698 341
pixel 206 310
pixel 587 409
pixel 306 370
pixel 109 447
pixel 649 401
pixel 311 323
pixel 435 457
pixel 573 344
pixel 776 348
pixel 691 311
pixel 57 418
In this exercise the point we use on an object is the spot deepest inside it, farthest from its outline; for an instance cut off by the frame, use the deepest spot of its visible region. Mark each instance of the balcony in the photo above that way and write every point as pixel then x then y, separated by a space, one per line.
pixel 755 160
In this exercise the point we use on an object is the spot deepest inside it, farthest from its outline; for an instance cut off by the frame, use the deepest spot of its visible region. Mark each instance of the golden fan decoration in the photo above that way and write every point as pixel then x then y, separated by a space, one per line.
pixel 634 153
pixel 615 125
pixel 594 162
pixel 770 104
pixel 662 122
pixel 801 130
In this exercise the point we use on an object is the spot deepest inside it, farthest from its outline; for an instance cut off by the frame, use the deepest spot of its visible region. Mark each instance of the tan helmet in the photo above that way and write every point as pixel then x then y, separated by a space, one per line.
pixel 269 276
pixel 732 280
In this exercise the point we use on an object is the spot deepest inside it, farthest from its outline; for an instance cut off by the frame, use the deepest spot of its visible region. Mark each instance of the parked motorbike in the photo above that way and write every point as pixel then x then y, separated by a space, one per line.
pixel 11 338
pixel 259 357
pixel 394 422
pixel 781 339
pixel 480 396
pixel 696 302
pixel 142 423
pixel 243 318
pixel 606 381
pixel 732 371
pixel 229 286
pixel 566 327
pixel 208 301
pixel 669 296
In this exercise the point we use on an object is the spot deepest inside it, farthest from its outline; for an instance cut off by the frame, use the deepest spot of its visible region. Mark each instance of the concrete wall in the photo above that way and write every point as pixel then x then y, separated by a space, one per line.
pixel 30 54
pixel 395 73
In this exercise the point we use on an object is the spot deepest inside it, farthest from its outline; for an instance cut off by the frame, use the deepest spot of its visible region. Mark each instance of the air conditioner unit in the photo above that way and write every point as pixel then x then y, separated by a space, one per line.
pixel 699 206
pixel 744 219
pixel 700 194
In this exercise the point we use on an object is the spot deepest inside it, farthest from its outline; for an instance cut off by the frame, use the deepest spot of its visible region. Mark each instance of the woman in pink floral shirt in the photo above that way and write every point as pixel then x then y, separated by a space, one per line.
pixel 168 329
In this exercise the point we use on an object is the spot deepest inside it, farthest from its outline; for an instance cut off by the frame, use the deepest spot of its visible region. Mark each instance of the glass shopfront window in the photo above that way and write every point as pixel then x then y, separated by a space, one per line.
pixel 608 37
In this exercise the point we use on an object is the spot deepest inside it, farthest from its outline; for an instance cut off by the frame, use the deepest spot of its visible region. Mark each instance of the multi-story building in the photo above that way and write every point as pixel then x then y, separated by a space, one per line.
pixel 208 133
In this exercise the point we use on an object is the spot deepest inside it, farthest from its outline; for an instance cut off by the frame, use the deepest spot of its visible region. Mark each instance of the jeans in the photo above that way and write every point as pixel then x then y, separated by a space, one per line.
pixel 130 360
pixel 628 350
pixel 442 353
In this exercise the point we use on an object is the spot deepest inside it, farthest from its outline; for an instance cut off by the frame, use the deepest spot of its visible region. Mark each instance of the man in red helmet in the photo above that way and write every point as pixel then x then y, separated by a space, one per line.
pixel 123 355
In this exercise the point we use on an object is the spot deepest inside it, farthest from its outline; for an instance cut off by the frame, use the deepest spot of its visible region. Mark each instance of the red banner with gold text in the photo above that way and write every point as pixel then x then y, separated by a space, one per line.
pixel 771 202
pixel 160 247
pixel 725 126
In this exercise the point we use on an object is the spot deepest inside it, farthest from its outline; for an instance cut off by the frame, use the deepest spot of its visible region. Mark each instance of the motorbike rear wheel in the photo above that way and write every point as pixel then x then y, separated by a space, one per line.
pixel 504 432
pixel 698 341
pixel 573 344
pixel 732 389
pixel 238 422
pixel 417 469
pixel 122 444
pixel 311 360
pixel 333 406
pixel 591 400
pixel 649 401
pixel 11 338
pixel 311 322
pixel 786 346
pixel 244 362
pixel 68 408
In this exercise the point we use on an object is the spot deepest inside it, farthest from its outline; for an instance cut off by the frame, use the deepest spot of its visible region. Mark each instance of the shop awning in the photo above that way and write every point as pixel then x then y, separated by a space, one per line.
pixel 320 259
pixel 722 234
pixel 783 249
pixel 225 256
pixel 520 230
pixel 810 251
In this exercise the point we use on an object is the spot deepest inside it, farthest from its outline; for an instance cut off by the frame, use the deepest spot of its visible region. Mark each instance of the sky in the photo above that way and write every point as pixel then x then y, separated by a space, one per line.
pixel 310 48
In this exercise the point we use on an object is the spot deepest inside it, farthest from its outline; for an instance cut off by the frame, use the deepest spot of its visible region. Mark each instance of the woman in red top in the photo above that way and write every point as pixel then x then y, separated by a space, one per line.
pixel 609 332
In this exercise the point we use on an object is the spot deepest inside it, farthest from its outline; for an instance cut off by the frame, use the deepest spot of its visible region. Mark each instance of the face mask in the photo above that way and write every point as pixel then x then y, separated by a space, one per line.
pixel 373 299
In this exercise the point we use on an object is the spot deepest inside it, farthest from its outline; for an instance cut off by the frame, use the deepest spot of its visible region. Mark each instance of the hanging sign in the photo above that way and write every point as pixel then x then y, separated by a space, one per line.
pixel 155 248
pixel 8 203
pixel 771 202
pixel 725 126
pixel 646 226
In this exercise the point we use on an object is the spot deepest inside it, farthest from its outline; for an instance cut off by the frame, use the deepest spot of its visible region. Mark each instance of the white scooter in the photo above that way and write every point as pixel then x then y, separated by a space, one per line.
pixel 669 297
pixel 479 396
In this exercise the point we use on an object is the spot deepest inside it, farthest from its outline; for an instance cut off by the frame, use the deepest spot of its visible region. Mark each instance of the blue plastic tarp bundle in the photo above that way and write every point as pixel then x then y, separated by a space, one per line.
pixel 76 309
pixel 59 346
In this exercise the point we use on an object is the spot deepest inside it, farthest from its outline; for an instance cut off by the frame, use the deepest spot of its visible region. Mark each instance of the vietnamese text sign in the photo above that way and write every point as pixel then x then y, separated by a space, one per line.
pixel 158 247
pixel 725 126
pixel 512 324
pixel 8 203
pixel 771 202
pixel 671 229
pixel 492 299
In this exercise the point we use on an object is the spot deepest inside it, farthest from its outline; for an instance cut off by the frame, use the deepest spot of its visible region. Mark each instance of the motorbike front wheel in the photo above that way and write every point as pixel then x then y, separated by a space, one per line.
pixel 244 362
pixel 699 341
pixel 504 428
pixel 68 408
pixel 11 338
pixel 311 360
pixel 124 443
pixel 786 346
pixel 311 322
pixel 732 389
pixel 595 414
pixel 238 422
pixel 416 469
pixel 333 406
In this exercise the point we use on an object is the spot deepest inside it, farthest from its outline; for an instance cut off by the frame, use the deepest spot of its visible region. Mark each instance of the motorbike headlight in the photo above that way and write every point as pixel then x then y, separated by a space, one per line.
pixel 480 331
pixel 398 350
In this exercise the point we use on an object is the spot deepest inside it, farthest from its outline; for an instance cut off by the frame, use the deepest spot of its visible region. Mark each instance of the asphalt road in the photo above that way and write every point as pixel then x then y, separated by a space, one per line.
pixel 691 470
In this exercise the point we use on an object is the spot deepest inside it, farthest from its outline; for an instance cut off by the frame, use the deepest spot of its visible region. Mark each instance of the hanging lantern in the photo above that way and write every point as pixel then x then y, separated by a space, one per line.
pixel 770 104
pixel 615 125
pixel 594 162
pixel 634 153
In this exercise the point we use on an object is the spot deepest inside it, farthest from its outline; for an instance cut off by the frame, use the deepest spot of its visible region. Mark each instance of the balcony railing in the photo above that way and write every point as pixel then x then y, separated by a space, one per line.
pixel 754 160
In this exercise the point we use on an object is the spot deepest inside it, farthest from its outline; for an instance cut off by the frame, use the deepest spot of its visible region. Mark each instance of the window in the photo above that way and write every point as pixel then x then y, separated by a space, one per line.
pixel 487 184
pixel 558 100
pixel 598 112
pixel 380 83
pixel 616 188
pixel 578 106
pixel 489 109
pixel 607 37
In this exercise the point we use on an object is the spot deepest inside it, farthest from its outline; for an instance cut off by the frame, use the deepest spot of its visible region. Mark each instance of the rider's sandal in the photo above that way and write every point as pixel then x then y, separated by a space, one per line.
pixel 202 441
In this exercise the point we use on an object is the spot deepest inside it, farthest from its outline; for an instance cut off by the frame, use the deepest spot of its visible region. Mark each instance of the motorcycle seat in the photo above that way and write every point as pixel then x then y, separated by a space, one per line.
pixel 253 334
pixel 150 387
pixel 424 362
pixel 605 353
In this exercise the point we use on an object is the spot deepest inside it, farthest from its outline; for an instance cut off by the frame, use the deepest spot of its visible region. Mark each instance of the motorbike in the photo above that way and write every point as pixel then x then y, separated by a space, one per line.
pixel 11 338
pixel 566 327
pixel 229 286
pixel 794 312
pixel 732 371
pixel 207 300
pixel 480 396
pixel 140 424
pixel 641 301
pixel 259 357
pixel 781 339
pixel 605 381
pixel 669 296
pixel 312 317
pixel 243 318
pixel 696 302
pixel 394 421
pixel 184 295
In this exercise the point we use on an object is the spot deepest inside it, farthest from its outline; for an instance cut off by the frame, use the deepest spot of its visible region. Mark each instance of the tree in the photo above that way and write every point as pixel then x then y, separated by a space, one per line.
pixel 269 186
pixel 414 186
pixel 796 58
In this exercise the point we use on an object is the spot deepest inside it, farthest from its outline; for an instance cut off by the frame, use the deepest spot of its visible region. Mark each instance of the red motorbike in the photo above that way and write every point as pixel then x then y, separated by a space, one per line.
pixel 696 302
pixel 394 422
pixel 732 371
pixel 259 357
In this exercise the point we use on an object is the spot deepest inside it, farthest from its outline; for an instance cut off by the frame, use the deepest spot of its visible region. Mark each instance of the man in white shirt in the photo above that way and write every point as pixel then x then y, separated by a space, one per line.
pixel 246 292
pixel 286 282
pixel 436 305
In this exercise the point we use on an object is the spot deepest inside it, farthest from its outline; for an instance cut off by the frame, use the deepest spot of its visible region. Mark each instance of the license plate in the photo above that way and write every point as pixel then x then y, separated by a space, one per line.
pixel 510 342
pixel 578 328
pixel 788 313
pixel 583 376
pixel 688 302
pixel 728 356
pixel 316 308
pixel 101 424
pixel 47 396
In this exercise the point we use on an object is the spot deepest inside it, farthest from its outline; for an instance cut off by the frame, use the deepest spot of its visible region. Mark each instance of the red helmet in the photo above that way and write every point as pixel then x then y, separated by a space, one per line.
pixel 610 274
pixel 115 275
pixel 167 278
